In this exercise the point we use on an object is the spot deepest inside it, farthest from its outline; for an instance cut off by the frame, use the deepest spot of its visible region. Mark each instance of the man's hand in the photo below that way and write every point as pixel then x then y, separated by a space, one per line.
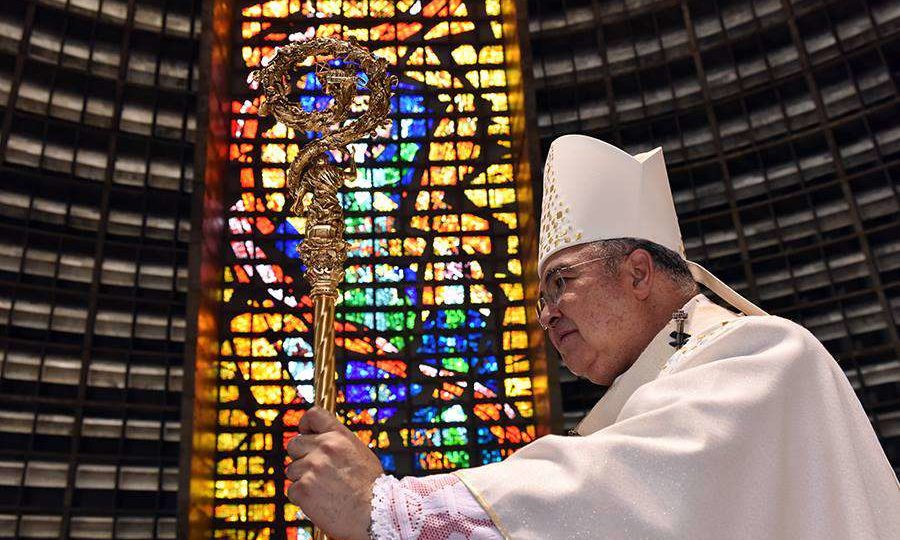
pixel 333 472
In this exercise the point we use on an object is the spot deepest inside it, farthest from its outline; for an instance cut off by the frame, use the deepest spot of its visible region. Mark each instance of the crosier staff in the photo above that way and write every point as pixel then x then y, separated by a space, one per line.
pixel 324 250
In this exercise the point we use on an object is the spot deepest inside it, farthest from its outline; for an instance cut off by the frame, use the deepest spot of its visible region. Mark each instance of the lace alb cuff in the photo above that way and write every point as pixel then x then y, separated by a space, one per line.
pixel 382 526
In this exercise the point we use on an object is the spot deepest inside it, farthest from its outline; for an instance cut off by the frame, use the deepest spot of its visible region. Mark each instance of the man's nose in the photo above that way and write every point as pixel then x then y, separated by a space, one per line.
pixel 550 315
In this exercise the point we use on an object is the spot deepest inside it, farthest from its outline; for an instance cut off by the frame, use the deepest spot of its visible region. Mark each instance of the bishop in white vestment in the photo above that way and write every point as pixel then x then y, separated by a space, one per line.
pixel 718 424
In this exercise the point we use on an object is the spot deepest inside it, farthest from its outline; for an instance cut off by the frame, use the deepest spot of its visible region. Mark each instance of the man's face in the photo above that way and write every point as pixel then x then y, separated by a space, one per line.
pixel 588 326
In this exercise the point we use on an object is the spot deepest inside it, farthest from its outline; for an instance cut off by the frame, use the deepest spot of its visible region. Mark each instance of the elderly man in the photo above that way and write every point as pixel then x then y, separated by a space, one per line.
pixel 716 424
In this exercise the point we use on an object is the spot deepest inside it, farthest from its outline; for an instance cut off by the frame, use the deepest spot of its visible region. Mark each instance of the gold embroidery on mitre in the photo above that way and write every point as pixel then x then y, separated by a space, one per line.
pixel 557 228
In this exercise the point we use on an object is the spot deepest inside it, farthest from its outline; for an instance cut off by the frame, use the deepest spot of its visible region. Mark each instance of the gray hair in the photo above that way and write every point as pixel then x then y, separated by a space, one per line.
pixel 670 263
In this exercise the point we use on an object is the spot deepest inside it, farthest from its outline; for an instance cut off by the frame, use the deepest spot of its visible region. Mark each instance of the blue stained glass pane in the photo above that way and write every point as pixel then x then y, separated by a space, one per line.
pixel 389 297
pixel 491 383
pixel 322 102
pixel 389 154
pixel 360 248
pixel 406 86
pixel 367 393
pixel 288 228
pixel 408 174
pixel 429 344
pixel 413 294
pixel 359 370
pixel 412 127
pixel 484 435
pixel 490 456
pixel 476 319
pixel 385 413
pixel 308 103
pixel 415 389
pixel 425 415
pixel 288 247
pixel 412 104
pixel 387 462
pixel 312 82
pixel 409 274
pixel 485 365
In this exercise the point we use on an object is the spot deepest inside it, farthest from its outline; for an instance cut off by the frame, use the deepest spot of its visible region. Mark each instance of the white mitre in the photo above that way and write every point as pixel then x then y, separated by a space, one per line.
pixel 595 191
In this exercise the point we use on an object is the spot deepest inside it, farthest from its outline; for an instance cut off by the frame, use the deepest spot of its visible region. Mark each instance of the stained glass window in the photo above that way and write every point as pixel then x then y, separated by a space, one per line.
pixel 434 371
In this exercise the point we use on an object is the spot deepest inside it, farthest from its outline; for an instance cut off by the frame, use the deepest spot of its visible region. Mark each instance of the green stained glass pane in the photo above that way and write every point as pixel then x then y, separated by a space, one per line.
pixel 408 151
pixel 456 364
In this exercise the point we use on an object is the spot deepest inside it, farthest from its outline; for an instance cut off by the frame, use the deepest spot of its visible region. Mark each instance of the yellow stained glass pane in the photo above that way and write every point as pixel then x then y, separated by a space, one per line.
pixel 513 291
pixel 480 295
pixel 507 218
pixel 491 54
pixel 497 29
pixel 501 197
pixel 273 178
pixel 381 8
pixel 275 201
pixel 471 222
pixel 515 339
pixel 328 8
pixel 515 267
pixel 445 223
pixel 492 7
pixel 516 363
pixel 467 126
pixel 464 55
pixel 499 101
pixel 517 386
pixel 356 8
pixel 228 393
pixel 514 315
pixel 477 244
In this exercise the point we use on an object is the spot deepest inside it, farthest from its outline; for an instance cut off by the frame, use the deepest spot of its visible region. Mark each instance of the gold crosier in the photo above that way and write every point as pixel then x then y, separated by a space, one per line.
pixel 324 250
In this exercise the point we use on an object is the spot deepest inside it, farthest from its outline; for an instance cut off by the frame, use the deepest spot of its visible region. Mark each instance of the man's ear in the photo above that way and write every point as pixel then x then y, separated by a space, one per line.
pixel 639 268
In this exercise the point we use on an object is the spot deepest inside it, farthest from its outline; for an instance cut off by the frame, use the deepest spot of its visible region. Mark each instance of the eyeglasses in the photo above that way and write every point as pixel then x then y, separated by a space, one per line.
pixel 555 286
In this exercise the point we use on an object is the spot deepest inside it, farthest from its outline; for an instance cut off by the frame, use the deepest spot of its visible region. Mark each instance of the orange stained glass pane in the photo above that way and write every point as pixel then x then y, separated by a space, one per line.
pixel 279 131
pixel 268 394
pixel 517 386
pixel 328 30
pixel 445 223
pixel 266 371
pixel 240 152
pixel 487 411
pixel 226 442
pixel 407 30
pixel 231 489
pixel 445 128
pixel 247 178
pixel 227 370
pixel 260 441
pixel 292 323
pixel 384 32
pixel 476 244
pixel 500 173
pixel 388 53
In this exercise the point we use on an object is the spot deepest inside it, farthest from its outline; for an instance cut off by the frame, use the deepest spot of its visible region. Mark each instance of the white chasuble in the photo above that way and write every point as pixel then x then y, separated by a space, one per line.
pixel 750 430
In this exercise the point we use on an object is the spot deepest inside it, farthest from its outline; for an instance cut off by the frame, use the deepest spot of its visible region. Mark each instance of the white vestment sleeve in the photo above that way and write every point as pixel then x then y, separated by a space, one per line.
pixel 438 507
pixel 752 433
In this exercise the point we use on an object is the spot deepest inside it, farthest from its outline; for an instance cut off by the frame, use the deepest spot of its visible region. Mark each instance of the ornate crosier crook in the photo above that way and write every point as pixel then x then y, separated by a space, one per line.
pixel 324 250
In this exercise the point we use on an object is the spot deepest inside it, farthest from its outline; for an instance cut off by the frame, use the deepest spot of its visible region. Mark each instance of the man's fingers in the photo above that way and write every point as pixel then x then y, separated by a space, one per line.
pixel 301 445
pixel 318 420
